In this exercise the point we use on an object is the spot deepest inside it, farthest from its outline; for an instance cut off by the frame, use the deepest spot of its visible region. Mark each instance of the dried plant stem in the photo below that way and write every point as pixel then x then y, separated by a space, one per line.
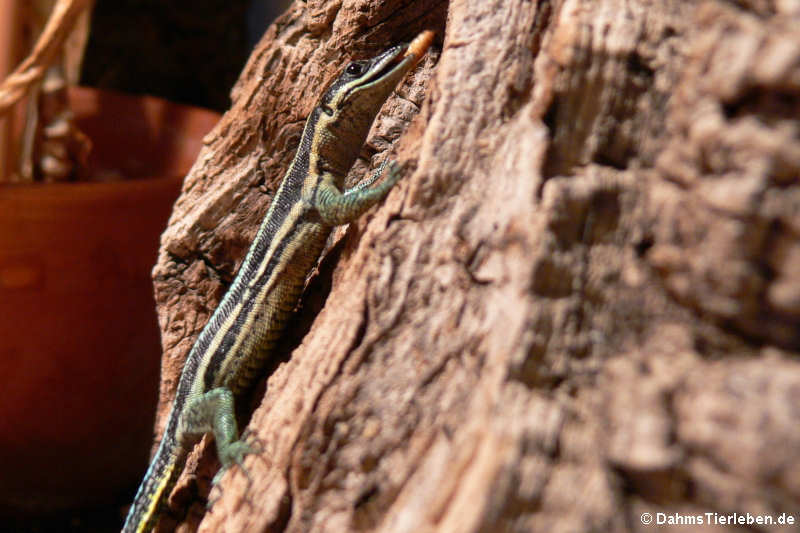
pixel 32 69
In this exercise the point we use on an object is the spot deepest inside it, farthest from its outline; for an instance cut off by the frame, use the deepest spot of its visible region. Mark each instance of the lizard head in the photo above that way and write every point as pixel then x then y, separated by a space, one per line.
pixel 367 83
pixel 351 101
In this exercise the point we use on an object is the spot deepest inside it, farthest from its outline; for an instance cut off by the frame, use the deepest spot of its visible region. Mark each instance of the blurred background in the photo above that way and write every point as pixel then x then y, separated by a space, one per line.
pixel 187 51
pixel 87 180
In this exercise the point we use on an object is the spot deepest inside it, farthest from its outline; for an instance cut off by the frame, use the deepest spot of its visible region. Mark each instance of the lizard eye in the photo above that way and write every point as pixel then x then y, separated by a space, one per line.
pixel 355 69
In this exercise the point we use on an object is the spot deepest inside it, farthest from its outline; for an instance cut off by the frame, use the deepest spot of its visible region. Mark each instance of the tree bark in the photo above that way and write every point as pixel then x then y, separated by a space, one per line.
pixel 581 303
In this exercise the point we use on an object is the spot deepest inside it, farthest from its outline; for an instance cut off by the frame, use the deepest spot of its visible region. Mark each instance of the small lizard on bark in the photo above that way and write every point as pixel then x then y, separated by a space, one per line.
pixel 236 343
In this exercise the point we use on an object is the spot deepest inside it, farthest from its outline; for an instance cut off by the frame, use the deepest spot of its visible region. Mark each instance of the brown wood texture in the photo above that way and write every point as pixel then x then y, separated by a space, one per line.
pixel 582 302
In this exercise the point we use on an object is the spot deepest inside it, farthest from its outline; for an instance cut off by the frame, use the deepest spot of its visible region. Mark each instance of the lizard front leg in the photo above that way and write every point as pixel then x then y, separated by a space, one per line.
pixel 336 208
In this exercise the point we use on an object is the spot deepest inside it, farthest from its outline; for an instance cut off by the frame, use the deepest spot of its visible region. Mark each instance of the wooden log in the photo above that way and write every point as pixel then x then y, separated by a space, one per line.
pixel 579 305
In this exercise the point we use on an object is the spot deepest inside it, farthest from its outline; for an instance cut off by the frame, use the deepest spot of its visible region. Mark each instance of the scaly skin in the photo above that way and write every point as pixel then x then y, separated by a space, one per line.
pixel 236 343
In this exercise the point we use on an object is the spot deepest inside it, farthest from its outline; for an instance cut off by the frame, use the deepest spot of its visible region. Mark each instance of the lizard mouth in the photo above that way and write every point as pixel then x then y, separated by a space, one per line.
pixel 390 62
pixel 399 59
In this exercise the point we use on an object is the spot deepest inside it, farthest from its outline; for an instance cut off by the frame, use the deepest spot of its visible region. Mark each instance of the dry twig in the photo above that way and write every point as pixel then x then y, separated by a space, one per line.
pixel 32 69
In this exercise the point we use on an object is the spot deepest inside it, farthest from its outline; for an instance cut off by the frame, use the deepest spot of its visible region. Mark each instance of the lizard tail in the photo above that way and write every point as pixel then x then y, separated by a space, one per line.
pixel 155 488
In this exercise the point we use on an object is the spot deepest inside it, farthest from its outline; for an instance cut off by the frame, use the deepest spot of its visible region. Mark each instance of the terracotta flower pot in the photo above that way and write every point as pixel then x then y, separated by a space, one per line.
pixel 79 342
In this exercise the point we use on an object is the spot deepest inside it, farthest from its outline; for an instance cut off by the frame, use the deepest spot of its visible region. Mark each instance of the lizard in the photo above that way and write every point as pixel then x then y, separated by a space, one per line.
pixel 236 343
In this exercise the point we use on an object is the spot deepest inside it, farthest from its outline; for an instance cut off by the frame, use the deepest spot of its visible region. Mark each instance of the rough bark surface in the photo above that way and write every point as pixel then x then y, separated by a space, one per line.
pixel 582 302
